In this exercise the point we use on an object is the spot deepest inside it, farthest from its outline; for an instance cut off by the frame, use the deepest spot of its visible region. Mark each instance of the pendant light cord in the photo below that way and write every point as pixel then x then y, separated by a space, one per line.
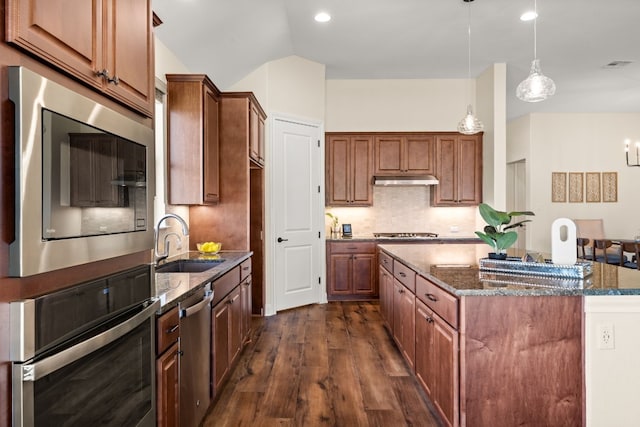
pixel 535 32
pixel 469 42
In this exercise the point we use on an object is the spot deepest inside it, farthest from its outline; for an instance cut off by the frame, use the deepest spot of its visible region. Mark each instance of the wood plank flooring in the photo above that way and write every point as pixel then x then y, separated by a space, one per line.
pixel 322 365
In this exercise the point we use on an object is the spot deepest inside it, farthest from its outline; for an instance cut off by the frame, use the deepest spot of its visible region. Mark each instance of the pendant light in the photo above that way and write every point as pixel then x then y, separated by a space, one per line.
pixel 537 87
pixel 469 123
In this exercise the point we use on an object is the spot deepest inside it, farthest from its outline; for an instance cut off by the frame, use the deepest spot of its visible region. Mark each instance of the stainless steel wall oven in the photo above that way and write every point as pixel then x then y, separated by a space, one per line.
pixel 84 356
pixel 84 178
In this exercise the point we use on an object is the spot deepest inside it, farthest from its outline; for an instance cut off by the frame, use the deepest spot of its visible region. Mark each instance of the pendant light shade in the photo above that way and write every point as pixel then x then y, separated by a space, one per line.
pixel 469 124
pixel 536 87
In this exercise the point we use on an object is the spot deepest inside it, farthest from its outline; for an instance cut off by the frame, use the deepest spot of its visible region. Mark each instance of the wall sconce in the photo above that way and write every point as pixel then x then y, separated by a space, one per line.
pixel 626 152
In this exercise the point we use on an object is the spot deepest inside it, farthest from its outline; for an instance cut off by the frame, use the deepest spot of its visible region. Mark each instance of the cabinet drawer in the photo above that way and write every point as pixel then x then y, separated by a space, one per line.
pixel 352 248
pixel 386 261
pixel 225 284
pixel 439 300
pixel 245 269
pixel 405 275
pixel 168 330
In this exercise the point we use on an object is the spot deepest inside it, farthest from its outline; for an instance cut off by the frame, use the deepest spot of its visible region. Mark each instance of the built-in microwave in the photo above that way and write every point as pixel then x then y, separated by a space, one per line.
pixel 84 178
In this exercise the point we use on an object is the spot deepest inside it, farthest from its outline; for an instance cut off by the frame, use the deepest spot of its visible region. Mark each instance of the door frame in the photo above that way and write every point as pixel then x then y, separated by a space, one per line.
pixel 270 232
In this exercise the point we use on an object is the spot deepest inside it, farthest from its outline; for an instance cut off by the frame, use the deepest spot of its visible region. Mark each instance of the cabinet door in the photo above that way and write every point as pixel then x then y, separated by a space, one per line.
pixel 388 155
pixel 235 324
pixel 425 367
pixel 256 134
pixel 128 55
pixel 446 171
pixel 211 148
pixel 245 296
pixel 404 321
pixel 469 156
pixel 446 394
pixel 340 273
pixel 221 319
pixel 361 171
pixel 168 388
pixel 418 154
pixel 66 33
pixel 364 268
pixel 386 296
pixel 337 173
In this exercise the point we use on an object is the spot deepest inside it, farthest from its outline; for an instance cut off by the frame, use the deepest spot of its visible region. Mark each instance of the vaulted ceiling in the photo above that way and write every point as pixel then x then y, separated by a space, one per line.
pixel 407 39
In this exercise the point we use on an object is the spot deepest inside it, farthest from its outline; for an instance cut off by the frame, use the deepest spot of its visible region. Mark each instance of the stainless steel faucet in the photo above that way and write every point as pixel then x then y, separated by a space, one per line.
pixel 165 253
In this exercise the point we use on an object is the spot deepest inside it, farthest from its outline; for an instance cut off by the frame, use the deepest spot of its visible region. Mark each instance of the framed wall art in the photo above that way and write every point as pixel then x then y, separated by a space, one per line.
pixel 558 187
pixel 609 187
pixel 592 187
pixel 576 187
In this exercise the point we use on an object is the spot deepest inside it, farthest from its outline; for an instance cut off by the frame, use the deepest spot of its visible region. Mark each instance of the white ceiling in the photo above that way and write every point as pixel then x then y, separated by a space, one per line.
pixel 405 39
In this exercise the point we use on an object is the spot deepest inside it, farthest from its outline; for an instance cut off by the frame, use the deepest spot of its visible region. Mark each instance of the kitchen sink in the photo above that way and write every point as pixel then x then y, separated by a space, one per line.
pixel 188 266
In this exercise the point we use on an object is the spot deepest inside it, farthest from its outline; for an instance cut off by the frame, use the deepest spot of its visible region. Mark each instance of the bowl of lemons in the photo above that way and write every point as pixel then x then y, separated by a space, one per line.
pixel 209 248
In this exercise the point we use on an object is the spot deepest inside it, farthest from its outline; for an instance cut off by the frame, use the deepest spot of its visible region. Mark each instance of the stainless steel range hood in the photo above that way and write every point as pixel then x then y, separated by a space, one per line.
pixel 405 180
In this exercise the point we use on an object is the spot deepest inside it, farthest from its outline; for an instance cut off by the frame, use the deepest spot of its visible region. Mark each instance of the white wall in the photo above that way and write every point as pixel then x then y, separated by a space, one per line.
pixel 166 62
pixel 612 375
pixel 576 143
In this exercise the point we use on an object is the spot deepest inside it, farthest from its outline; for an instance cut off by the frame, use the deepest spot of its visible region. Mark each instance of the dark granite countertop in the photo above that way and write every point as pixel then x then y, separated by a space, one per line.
pixel 172 288
pixel 393 240
pixel 455 268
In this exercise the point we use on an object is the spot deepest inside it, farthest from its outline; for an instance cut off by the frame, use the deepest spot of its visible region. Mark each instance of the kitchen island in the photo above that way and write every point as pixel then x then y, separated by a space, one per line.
pixel 491 352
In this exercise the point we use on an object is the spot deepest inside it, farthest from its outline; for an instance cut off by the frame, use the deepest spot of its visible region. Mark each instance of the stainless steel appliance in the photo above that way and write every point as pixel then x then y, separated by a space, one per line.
pixel 84 178
pixel 195 350
pixel 85 356
pixel 405 235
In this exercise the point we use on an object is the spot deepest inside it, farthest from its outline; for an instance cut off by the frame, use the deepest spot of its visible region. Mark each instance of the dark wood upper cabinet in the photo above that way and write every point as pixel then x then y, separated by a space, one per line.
pixel 107 44
pixel 193 140
pixel 349 170
pixel 404 154
pixel 459 170
pixel 256 133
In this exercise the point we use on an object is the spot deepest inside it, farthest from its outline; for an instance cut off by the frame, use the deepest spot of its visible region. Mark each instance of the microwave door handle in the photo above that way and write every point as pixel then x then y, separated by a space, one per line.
pixel 42 368
pixel 193 309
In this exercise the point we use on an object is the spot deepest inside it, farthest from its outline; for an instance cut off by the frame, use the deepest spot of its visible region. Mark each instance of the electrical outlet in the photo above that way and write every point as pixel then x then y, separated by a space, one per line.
pixel 606 336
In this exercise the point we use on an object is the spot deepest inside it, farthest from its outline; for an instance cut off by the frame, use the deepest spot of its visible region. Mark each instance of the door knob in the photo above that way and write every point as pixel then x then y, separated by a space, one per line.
pixel 280 240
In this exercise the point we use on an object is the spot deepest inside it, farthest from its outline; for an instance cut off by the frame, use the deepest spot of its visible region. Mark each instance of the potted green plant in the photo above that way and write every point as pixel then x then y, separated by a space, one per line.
pixel 334 222
pixel 498 233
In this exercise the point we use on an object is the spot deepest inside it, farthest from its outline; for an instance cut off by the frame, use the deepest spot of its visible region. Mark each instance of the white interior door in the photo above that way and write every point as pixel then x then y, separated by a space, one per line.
pixel 297 208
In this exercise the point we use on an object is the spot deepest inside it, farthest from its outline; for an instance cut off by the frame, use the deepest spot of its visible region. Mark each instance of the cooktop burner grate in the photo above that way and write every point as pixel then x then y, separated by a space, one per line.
pixel 405 235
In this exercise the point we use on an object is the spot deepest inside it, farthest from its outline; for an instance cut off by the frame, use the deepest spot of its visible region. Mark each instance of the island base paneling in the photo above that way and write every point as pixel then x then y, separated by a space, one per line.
pixel 521 361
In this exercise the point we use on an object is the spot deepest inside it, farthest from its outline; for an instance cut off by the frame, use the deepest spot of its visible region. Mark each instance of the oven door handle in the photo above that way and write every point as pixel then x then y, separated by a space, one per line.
pixel 42 368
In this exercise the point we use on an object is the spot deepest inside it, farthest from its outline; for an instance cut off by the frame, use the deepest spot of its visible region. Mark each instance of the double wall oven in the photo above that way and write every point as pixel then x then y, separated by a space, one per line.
pixel 84 356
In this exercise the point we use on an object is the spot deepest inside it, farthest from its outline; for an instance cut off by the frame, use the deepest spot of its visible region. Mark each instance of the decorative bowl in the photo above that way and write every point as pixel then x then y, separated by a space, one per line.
pixel 215 250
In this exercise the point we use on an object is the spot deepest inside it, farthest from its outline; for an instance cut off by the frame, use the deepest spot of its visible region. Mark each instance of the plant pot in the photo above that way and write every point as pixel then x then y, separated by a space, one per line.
pixel 499 255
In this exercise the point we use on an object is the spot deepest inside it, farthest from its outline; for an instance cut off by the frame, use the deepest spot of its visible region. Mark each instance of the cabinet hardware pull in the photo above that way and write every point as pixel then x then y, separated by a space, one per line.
pixel 173 329
pixel 402 274
pixel 115 80
pixel 245 268
pixel 431 297
pixel 103 73
pixel 429 319
pixel 180 353
pixel 400 291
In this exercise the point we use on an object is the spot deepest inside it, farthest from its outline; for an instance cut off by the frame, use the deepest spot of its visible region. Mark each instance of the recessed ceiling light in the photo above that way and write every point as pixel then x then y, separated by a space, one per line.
pixel 528 16
pixel 322 17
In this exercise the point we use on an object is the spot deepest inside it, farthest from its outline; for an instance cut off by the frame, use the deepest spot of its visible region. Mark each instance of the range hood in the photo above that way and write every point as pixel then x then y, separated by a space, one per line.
pixel 405 180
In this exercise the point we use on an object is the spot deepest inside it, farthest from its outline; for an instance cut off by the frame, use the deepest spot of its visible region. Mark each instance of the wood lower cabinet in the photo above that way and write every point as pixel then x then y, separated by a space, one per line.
pixel 404 302
pixel 245 297
pixel 436 362
pixel 349 170
pixel 404 154
pixel 193 140
pixel 385 284
pixel 490 361
pixel 459 170
pixel 167 369
pixel 351 270
pixel 108 46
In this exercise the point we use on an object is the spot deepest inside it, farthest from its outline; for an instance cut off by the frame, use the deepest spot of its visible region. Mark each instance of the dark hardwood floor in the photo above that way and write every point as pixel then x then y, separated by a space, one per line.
pixel 322 365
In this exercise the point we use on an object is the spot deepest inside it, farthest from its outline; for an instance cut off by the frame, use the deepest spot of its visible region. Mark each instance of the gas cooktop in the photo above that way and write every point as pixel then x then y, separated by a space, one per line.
pixel 410 235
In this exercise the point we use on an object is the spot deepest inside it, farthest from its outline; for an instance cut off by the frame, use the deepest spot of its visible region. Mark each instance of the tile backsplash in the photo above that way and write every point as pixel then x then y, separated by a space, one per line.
pixel 406 209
